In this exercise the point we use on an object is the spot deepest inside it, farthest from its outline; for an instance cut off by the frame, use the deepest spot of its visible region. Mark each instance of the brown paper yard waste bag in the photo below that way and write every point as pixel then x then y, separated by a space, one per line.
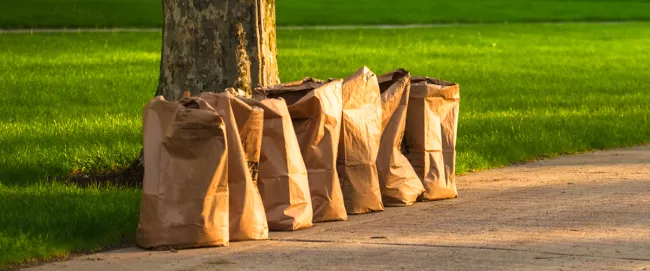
pixel 359 143
pixel 247 216
pixel 430 135
pixel 185 188
pixel 400 185
pixel 283 181
pixel 315 109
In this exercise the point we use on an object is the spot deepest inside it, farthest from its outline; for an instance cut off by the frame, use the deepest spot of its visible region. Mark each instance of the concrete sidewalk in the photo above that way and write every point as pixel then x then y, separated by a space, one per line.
pixel 583 212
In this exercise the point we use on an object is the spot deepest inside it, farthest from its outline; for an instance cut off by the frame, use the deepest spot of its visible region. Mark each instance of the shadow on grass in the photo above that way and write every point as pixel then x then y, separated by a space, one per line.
pixel 79 155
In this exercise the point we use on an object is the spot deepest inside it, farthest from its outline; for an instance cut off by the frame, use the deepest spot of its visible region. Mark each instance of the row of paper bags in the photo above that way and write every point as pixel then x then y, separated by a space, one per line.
pixel 222 168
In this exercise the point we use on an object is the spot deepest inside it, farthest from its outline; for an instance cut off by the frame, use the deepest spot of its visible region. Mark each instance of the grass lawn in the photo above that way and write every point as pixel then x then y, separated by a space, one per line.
pixel 148 13
pixel 72 103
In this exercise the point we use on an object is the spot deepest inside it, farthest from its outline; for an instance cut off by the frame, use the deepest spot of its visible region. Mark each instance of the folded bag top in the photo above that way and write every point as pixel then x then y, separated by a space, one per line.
pixel 422 86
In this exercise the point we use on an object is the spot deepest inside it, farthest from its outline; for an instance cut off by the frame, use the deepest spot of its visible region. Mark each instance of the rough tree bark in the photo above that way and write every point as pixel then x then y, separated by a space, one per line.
pixel 211 45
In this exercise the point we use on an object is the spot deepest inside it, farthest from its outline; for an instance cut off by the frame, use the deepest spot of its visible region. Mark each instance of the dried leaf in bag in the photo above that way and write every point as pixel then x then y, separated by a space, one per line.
pixel 400 185
pixel 185 188
pixel 315 109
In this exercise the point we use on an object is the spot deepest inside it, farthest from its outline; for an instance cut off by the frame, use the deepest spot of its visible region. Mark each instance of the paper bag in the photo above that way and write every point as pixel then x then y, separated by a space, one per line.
pixel 400 185
pixel 185 189
pixel 247 215
pixel 430 135
pixel 359 143
pixel 283 179
pixel 315 107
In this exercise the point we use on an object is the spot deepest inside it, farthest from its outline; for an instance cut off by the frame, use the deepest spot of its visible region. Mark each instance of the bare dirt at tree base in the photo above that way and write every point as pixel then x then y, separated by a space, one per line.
pixel 583 212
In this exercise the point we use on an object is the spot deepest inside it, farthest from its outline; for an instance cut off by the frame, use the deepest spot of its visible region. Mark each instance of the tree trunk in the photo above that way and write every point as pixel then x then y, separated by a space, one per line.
pixel 211 45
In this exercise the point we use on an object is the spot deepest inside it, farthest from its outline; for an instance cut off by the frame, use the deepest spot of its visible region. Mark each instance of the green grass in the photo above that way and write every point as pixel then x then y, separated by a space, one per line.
pixel 72 102
pixel 48 220
pixel 344 12
pixel 148 13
